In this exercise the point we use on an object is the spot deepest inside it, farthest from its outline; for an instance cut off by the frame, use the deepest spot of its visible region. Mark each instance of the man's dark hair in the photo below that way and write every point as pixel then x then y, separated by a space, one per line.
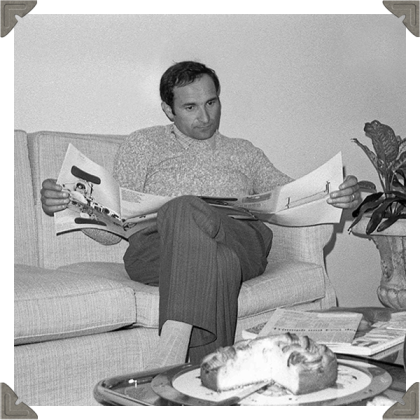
pixel 182 74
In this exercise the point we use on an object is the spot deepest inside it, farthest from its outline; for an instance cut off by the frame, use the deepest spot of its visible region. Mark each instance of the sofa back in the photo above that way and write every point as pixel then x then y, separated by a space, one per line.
pixel 39 156
pixel 46 151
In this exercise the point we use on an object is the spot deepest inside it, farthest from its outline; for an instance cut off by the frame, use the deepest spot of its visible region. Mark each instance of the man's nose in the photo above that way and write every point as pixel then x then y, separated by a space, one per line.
pixel 204 115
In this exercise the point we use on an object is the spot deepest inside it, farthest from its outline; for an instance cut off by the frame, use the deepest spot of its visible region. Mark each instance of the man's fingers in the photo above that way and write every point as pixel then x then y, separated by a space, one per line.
pixel 51 184
pixel 53 194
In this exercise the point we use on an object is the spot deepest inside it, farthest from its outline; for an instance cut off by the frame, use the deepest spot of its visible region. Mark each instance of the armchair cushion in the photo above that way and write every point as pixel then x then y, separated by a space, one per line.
pixel 54 304
pixel 288 284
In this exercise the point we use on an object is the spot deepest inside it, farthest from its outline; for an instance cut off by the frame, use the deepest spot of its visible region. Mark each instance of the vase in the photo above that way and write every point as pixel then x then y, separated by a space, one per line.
pixel 391 245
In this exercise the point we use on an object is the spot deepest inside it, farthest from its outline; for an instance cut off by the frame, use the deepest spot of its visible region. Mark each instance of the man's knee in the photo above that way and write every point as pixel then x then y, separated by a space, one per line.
pixel 180 204
pixel 189 210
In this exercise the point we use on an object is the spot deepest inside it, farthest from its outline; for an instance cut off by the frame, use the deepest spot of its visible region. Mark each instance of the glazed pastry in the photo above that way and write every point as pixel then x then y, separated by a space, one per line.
pixel 296 363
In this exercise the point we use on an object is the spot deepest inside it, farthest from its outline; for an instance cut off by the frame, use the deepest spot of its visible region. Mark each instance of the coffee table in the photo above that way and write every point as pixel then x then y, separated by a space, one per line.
pixel 135 389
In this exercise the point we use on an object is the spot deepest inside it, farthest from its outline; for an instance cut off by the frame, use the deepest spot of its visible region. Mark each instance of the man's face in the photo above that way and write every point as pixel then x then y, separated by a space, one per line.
pixel 196 111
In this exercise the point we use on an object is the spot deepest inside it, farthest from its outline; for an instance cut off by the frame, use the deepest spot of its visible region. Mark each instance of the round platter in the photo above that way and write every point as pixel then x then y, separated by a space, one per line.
pixel 356 381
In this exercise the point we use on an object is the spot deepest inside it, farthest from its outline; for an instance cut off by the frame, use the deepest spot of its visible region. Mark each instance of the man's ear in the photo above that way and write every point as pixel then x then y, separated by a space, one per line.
pixel 167 110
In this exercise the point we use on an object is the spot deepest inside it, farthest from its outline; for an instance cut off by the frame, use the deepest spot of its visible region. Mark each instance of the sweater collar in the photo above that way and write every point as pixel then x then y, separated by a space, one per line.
pixel 187 141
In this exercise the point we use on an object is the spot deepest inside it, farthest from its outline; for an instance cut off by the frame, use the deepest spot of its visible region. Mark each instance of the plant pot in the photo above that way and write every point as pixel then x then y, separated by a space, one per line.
pixel 391 245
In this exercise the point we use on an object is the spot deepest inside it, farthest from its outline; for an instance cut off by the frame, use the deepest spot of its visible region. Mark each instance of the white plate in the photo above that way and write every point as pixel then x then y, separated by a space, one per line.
pixel 356 381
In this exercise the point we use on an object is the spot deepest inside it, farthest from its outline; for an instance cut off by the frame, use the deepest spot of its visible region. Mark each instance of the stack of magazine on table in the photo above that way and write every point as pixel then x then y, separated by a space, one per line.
pixel 343 332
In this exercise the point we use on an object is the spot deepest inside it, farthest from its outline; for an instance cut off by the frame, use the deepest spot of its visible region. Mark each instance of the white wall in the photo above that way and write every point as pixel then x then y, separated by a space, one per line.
pixel 298 86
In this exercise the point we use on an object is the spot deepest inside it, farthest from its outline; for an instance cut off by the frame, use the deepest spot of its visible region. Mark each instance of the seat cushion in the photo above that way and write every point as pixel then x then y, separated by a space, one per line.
pixel 282 285
pixel 146 297
pixel 54 304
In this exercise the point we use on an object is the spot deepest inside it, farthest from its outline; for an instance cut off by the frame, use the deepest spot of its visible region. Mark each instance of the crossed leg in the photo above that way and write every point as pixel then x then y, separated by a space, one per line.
pixel 199 256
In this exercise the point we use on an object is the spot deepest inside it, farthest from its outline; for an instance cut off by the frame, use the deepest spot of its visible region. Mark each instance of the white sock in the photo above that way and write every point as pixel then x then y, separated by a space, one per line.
pixel 173 344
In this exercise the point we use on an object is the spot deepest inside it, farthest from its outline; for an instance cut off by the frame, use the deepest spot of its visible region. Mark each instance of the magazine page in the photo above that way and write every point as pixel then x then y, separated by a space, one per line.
pixel 302 202
pixel 381 336
pixel 97 201
pixel 136 224
pixel 325 328
pixel 94 195
pixel 261 203
pixel 135 204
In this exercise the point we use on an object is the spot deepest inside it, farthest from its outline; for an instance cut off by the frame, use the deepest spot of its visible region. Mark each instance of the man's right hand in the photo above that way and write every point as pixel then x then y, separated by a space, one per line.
pixel 53 199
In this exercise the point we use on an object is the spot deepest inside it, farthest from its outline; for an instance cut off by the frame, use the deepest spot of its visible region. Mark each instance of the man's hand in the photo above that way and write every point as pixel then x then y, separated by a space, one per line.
pixel 348 195
pixel 53 199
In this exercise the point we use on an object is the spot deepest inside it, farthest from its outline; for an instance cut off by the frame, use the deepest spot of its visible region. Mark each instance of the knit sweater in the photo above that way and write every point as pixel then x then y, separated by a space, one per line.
pixel 161 160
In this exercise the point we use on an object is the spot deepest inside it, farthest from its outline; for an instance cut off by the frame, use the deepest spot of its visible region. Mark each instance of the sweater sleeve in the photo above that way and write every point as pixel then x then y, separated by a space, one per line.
pixel 130 166
pixel 265 175
pixel 128 173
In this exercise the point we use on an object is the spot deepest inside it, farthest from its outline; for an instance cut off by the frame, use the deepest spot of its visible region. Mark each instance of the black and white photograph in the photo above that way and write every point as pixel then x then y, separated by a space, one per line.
pixel 203 112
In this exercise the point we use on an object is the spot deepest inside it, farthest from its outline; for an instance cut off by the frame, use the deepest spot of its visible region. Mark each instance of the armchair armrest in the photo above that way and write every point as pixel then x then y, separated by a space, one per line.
pixel 300 243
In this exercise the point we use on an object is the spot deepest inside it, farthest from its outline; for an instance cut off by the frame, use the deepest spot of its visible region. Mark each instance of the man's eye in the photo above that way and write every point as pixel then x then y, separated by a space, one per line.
pixel 189 107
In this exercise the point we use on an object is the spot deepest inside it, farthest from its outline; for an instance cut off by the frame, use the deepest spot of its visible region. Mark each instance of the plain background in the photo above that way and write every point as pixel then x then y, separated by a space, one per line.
pixel 298 86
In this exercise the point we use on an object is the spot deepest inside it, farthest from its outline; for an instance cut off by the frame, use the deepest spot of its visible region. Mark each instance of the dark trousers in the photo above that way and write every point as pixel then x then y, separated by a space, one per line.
pixel 199 256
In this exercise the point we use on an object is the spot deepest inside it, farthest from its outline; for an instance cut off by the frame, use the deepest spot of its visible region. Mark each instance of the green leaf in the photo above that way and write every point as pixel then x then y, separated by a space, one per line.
pixel 401 174
pixel 378 215
pixel 388 222
pixel 384 141
pixel 396 194
pixel 401 144
pixel 370 202
pixel 400 162
pixel 367 185
pixel 372 157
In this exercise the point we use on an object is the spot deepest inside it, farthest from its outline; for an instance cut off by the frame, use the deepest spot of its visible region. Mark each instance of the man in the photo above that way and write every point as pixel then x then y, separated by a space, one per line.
pixel 198 254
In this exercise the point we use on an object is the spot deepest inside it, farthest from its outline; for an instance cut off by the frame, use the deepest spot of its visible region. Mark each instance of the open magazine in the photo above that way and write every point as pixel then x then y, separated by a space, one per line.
pixel 339 330
pixel 383 337
pixel 302 202
pixel 97 201
pixel 322 327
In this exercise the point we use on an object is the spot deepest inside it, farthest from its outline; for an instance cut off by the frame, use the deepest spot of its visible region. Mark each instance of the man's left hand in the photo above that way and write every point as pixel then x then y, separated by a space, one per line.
pixel 348 195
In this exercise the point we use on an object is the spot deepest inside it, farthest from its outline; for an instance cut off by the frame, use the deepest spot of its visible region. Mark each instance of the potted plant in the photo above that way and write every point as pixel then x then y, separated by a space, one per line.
pixel 381 216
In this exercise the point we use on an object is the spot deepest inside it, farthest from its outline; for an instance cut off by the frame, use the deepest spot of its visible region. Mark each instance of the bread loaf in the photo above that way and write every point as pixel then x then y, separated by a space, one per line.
pixel 296 363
